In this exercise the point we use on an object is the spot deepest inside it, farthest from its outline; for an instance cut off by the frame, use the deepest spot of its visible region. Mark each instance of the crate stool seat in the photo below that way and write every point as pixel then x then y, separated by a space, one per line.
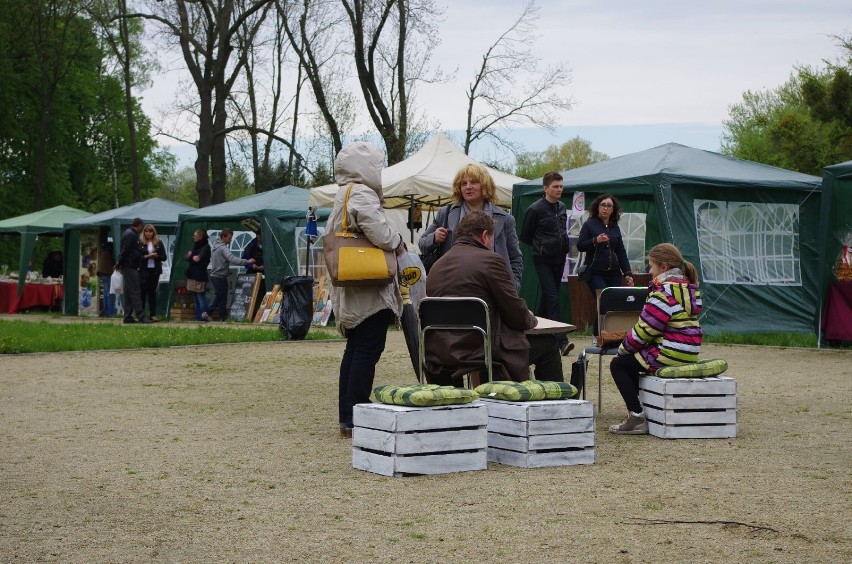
pixel 396 440
pixel 690 408
pixel 536 434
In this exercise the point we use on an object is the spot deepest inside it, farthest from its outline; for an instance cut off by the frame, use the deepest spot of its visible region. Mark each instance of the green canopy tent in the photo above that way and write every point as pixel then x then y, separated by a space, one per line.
pixel 281 215
pixel 836 224
pixel 162 214
pixel 751 229
pixel 47 222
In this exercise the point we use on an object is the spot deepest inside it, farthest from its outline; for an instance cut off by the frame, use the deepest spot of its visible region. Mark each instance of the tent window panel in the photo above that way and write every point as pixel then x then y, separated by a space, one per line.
pixel 317 267
pixel 748 243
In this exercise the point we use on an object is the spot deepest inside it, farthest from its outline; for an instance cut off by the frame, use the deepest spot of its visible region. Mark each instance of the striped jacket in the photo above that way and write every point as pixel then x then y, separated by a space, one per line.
pixel 667 333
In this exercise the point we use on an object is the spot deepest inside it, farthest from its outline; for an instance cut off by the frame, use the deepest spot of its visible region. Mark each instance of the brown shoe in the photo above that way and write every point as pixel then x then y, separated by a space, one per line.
pixel 346 432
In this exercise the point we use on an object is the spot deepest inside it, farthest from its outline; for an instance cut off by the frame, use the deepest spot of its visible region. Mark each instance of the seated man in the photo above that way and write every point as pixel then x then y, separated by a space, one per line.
pixel 471 269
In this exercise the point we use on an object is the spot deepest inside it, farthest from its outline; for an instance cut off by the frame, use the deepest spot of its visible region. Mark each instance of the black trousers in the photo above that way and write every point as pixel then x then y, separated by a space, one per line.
pixel 132 293
pixel 364 346
pixel 625 371
pixel 150 282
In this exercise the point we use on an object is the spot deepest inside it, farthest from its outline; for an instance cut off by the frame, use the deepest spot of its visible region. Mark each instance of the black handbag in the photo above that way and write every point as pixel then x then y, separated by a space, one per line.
pixel 584 273
pixel 578 375
pixel 431 258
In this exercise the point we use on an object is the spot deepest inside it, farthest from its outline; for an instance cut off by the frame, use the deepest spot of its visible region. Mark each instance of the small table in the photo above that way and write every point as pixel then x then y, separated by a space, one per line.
pixel 32 295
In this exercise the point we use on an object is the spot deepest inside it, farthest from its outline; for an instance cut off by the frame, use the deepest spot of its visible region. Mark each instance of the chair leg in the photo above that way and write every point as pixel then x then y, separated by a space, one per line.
pixel 600 382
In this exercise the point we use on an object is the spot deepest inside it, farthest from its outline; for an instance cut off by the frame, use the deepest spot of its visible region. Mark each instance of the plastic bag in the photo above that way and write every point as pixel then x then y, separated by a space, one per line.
pixel 116 283
pixel 412 275
pixel 298 307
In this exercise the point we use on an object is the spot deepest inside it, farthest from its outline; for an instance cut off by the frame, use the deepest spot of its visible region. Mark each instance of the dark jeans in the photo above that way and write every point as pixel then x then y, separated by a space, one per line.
pixel 625 371
pixel 599 281
pixel 220 297
pixel 132 294
pixel 199 301
pixel 150 282
pixel 364 346
pixel 549 278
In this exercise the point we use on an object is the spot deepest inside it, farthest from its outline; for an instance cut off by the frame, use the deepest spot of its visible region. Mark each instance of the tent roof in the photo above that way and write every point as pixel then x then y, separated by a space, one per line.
pixel 427 176
pixel 156 211
pixel 840 170
pixel 288 201
pixel 680 164
pixel 50 220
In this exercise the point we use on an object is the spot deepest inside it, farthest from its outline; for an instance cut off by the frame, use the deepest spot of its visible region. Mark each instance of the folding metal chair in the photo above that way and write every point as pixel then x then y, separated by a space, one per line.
pixel 454 314
pixel 618 310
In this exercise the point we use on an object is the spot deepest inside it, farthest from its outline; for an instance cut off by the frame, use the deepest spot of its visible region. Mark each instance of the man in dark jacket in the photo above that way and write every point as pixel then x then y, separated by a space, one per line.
pixel 128 264
pixel 472 269
pixel 545 229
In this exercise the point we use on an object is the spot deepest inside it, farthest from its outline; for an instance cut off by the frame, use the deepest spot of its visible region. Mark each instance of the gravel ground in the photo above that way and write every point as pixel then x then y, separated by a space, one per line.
pixel 231 453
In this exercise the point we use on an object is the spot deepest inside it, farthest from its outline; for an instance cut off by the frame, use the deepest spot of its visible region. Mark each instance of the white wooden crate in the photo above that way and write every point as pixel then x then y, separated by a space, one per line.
pixel 395 440
pixel 536 434
pixel 690 408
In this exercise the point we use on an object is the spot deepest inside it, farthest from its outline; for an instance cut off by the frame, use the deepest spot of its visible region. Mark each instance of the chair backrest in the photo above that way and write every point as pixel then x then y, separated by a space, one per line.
pixel 619 307
pixel 454 314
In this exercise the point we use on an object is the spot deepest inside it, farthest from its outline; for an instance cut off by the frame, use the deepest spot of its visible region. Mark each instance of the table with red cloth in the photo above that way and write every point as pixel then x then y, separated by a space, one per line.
pixel 837 312
pixel 33 295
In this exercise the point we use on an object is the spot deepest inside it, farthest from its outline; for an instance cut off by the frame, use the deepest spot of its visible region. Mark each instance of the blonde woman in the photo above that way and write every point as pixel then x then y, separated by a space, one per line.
pixel 150 268
pixel 474 190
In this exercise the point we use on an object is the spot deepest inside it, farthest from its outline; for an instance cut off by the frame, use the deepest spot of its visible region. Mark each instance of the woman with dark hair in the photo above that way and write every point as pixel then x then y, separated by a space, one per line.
pixel 606 257
pixel 474 190
pixel 667 334
pixel 198 258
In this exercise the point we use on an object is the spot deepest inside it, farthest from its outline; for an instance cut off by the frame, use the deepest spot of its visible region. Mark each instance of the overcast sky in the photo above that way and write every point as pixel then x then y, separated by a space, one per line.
pixel 643 72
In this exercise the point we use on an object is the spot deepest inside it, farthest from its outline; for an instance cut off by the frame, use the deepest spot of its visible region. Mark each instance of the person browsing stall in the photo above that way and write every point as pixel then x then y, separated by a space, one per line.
pixel 221 259
pixel 198 258
pixel 129 259
pixel 474 190
pixel 472 269
pixel 150 268
pixel 667 333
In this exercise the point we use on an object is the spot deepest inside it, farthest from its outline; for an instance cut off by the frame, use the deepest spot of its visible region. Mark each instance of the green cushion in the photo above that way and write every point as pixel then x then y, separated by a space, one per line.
pixel 700 369
pixel 423 395
pixel 529 390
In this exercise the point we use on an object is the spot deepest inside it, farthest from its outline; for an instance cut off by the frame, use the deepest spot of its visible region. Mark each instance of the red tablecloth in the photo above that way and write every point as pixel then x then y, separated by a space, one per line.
pixel 33 295
pixel 837 313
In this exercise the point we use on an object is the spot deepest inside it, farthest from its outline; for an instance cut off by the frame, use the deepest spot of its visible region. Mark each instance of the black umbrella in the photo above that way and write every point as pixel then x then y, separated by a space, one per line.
pixel 410 328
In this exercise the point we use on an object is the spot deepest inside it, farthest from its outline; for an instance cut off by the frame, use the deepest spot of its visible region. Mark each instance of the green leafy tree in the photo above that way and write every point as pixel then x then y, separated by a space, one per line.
pixel 803 125
pixel 574 153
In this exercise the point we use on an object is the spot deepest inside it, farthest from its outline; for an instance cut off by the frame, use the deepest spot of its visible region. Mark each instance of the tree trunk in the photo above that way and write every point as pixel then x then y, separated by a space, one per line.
pixel 128 103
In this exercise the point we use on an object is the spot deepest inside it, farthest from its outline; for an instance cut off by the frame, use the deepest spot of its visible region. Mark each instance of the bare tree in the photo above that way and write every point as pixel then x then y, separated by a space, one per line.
pixel 508 89
pixel 205 32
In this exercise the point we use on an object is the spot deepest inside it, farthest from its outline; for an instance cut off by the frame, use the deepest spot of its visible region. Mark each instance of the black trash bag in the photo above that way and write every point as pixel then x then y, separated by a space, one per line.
pixel 297 309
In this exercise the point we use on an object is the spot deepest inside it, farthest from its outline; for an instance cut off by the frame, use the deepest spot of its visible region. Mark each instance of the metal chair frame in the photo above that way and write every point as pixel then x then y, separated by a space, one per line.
pixel 618 310
pixel 454 314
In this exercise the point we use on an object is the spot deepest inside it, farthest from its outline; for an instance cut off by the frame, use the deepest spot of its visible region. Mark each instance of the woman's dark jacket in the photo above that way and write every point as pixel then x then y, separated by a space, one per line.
pixel 609 257
pixel 198 270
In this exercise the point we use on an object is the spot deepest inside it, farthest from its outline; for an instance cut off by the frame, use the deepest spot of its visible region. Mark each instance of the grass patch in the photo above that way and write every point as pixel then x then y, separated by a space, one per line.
pixel 776 339
pixel 18 337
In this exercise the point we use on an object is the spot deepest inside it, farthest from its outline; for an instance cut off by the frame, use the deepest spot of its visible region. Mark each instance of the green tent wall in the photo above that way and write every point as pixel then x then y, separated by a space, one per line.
pixel 663 182
pixel 162 214
pixel 836 224
pixel 48 222
pixel 280 212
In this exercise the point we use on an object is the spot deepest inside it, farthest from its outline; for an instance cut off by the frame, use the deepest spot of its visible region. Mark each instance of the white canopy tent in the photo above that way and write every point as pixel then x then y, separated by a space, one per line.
pixel 425 178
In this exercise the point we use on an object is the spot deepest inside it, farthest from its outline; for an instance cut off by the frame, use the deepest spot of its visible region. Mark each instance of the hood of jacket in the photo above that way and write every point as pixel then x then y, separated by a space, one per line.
pixel 217 243
pixel 360 163
pixel 681 289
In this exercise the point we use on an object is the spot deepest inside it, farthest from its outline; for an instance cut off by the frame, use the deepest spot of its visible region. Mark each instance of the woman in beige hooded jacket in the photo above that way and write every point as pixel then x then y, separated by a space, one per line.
pixel 363 313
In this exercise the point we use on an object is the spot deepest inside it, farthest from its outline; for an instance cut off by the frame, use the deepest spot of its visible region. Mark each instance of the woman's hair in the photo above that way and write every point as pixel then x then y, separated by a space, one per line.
pixel 203 233
pixel 154 239
pixel 669 255
pixel 478 173
pixel 596 205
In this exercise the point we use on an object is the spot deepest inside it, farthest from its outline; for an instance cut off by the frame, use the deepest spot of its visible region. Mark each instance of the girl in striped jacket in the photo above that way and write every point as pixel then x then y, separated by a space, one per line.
pixel 667 333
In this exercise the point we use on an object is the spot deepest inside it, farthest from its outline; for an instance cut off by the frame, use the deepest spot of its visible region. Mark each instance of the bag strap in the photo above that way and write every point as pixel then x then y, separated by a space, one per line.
pixel 345 225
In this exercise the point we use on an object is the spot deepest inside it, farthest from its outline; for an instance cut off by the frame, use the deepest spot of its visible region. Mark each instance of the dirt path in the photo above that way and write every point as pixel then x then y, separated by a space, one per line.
pixel 231 453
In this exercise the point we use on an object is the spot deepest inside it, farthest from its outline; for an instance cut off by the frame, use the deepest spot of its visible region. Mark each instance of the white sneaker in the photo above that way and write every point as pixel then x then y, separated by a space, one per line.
pixel 205 316
pixel 634 424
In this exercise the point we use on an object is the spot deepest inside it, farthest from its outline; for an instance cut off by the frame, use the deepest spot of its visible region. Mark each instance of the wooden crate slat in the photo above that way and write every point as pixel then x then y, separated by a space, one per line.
pixel 399 465
pixel 417 443
pixel 672 417
pixel 399 418
pixel 687 402
pixel 541 442
pixel 693 431
pixel 542 459
pixel 538 410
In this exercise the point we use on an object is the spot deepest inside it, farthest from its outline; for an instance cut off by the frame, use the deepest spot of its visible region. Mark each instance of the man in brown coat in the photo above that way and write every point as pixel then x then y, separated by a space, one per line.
pixel 472 269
